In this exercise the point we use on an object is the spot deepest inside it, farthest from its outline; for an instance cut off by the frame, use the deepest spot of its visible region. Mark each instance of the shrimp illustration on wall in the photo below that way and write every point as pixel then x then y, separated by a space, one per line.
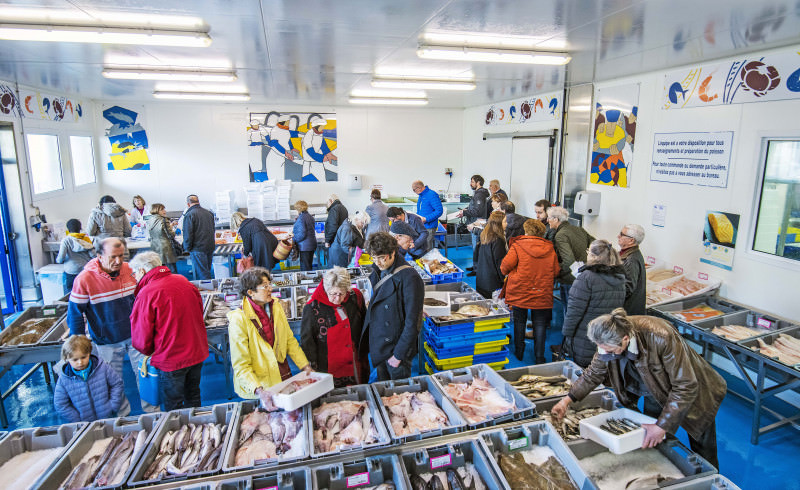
pixel 127 138
pixel 614 135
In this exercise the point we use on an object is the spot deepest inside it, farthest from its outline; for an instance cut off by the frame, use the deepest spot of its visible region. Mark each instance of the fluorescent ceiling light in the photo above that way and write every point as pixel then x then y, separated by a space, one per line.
pixel 405 94
pixel 184 74
pixel 229 96
pixel 423 83
pixel 103 35
pixel 492 40
pixel 492 55
pixel 386 101
pixel 85 17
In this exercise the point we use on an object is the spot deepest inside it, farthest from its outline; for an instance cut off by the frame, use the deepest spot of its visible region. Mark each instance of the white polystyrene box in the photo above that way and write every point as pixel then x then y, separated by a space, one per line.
pixel 437 310
pixel 304 395
pixel 617 444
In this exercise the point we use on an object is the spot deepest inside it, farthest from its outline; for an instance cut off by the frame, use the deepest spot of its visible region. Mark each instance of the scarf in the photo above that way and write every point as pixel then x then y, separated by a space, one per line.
pixel 267 328
pixel 80 236
pixel 83 373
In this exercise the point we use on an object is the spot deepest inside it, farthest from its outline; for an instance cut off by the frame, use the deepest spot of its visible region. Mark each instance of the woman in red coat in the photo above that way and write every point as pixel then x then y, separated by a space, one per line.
pixel 531 266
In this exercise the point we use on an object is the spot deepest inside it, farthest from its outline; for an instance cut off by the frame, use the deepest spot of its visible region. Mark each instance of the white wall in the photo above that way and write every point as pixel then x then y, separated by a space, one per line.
pixel 762 284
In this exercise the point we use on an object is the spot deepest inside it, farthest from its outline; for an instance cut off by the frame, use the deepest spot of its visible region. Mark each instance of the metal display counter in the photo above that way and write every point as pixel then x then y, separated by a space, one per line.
pixel 764 376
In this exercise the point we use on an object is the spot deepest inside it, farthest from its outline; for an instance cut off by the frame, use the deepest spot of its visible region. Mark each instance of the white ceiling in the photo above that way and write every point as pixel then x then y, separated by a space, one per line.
pixel 317 52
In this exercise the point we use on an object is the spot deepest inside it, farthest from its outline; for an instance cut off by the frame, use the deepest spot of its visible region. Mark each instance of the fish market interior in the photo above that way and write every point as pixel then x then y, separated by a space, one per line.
pixel 553 244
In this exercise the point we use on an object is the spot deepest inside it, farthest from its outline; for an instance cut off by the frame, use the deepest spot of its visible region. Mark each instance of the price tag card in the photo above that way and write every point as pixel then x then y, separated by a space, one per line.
pixel 49 311
pixel 765 323
pixel 651 260
pixel 518 443
pixel 703 276
pixel 230 297
pixel 677 270
pixel 357 480
pixel 440 461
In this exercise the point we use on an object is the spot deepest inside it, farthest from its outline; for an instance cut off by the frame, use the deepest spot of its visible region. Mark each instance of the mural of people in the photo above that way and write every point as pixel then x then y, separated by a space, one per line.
pixel 614 135
pixel 319 162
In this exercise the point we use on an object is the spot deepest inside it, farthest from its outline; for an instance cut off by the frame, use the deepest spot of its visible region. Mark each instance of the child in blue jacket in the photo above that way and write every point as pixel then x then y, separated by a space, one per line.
pixel 87 389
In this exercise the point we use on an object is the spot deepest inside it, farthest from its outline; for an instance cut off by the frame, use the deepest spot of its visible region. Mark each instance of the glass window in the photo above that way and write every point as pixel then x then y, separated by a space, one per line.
pixel 82 160
pixel 778 222
pixel 45 162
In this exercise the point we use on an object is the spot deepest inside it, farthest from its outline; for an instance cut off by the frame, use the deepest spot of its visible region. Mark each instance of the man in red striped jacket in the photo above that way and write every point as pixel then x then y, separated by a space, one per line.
pixel 103 292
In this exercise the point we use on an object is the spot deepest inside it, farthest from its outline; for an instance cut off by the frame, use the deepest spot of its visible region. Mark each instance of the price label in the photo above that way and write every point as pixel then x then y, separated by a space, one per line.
pixel 518 443
pixel 677 270
pixel 765 323
pixel 230 297
pixel 440 461
pixel 357 480
pixel 667 291
pixel 49 311
pixel 651 260
pixel 703 276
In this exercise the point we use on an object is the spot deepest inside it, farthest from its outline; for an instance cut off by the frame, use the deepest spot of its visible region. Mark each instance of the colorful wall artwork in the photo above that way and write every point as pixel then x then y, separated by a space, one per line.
pixel 719 238
pixel 296 146
pixel 616 113
pixel 127 139
pixel 50 107
pixel 9 103
pixel 738 81
pixel 530 109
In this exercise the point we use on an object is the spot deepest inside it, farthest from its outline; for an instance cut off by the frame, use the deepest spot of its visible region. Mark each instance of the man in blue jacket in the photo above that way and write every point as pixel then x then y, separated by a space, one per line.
pixel 412 226
pixel 429 209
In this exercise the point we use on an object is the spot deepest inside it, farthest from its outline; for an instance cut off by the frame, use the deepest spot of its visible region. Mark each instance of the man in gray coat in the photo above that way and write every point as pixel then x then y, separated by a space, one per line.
pixel 629 239
pixel 570 243
pixel 198 237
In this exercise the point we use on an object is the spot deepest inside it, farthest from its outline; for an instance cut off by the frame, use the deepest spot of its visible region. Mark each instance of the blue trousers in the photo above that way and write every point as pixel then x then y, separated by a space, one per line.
pixel 201 263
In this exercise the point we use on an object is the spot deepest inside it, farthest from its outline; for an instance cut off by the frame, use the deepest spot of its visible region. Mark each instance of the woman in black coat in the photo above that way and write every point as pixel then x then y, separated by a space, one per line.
pixel 257 241
pixel 349 236
pixel 489 254
pixel 598 290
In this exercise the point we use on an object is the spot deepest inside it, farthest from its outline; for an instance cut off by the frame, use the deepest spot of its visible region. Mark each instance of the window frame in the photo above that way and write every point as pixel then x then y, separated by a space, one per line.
pixel 82 134
pixel 65 154
pixel 55 192
pixel 768 258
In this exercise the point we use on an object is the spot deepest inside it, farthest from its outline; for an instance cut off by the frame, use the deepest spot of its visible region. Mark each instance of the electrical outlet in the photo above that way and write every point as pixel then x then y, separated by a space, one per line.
pixel 448 171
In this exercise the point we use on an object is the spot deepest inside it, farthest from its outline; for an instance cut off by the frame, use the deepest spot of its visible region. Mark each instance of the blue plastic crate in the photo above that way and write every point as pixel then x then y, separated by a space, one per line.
pixel 439 342
pixel 319 227
pixel 475 349
pixel 464 361
pixel 467 327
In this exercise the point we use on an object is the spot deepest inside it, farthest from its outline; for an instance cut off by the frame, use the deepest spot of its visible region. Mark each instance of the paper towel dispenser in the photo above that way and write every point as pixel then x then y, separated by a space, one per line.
pixel 354 181
pixel 587 203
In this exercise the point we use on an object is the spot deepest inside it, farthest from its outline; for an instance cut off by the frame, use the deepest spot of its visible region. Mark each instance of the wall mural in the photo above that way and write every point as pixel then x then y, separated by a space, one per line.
pixel 41 105
pixel 751 79
pixel 530 109
pixel 296 146
pixel 127 139
pixel 9 103
pixel 616 113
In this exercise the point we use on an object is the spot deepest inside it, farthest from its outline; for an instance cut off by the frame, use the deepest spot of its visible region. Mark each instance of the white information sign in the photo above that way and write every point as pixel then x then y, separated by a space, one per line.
pixel 692 158
pixel 659 215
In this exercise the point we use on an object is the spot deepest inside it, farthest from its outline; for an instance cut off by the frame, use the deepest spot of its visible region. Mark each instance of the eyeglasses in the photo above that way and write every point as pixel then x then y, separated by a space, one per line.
pixel 337 295
pixel 623 234
pixel 263 287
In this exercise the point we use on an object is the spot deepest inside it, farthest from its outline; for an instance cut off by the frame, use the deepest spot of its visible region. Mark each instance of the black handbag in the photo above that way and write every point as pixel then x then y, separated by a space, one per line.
pixel 177 248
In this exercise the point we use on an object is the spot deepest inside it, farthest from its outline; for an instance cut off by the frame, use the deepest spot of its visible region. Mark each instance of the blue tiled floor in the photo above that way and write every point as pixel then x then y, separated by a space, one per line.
pixel 771 464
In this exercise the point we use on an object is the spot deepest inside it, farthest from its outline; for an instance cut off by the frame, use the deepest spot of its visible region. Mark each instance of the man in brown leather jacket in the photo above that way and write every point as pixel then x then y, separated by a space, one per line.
pixel 643 356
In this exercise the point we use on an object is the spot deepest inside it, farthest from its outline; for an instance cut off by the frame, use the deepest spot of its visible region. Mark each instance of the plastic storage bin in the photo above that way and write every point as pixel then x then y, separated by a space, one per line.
pixel 769 339
pixel 305 394
pixel 58 437
pixel 499 357
pixel 714 482
pixel 441 457
pixel 294 479
pixel 617 444
pixel 669 311
pixel 568 369
pixel 369 472
pixel 52 279
pixel 747 318
pixel 55 312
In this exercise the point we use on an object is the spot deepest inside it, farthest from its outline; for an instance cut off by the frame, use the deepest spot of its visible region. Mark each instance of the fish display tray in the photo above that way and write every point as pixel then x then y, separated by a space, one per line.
pixel 524 408
pixel 617 444
pixel 294 479
pixel 59 312
pixel 710 285
pixel 369 472
pixel 470 345
pixel 208 306
pixel 568 369
pixel 528 436
pixel 443 278
pixel 769 339
pixel 495 319
pixel 464 361
pixel 669 310
pixel 223 413
pixel 37 438
pixel 691 464
pixel 426 278
pixel 249 406
pixel 437 310
pixel 304 395
pixel 455 422
pixel 97 430
pixel 747 318
pixel 355 393
pixel 713 482
pixel 453 455
pixel 452 287
pixel 597 399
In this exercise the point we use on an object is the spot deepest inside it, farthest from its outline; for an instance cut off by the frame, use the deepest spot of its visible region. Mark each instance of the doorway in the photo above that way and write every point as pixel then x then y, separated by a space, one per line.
pixel 531 171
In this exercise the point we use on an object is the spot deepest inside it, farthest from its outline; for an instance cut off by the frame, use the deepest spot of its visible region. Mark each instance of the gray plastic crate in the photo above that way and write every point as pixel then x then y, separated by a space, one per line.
pixel 769 339
pixel 223 413
pixel 568 369
pixel 524 408
pixel 454 455
pixel 747 318
pixel 691 464
pixel 715 482
pixel 455 421
pixel 725 306
pixel 527 437
pixel 38 438
pixel 296 479
pixel 58 312
pixel 453 287
pixel 245 408
pixel 369 472
pixel 100 429
pixel 357 393
pixel 605 399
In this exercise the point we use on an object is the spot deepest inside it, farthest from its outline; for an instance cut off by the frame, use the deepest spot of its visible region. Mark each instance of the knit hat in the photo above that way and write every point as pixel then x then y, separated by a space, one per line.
pixel 403 228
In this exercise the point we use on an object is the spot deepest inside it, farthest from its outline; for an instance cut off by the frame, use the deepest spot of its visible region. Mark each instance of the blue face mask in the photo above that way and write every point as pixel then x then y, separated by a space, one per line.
pixel 609 356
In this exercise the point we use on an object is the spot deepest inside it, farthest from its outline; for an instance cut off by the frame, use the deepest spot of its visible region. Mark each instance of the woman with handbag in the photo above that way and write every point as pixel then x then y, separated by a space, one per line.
pixel 257 241
pixel 349 237
pixel 261 339
pixel 162 238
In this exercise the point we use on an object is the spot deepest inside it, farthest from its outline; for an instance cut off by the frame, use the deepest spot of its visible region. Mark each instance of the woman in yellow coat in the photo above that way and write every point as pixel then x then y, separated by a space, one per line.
pixel 260 337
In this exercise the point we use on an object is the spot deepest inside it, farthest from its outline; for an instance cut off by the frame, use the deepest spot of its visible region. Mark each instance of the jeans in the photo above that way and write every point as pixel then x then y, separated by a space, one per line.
pixel 564 288
pixel 705 446
pixel 306 260
pixel 387 372
pixel 70 280
pixel 114 355
pixel 540 319
pixel 201 264
pixel 180 388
